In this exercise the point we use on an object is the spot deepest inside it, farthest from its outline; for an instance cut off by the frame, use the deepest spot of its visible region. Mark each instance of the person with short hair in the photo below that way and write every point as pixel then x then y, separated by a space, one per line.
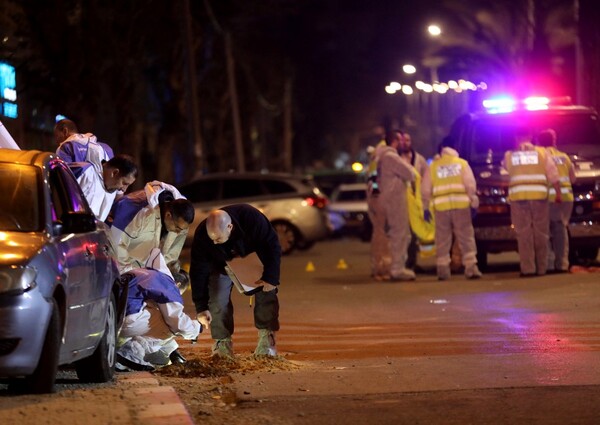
pixel 450 186
pixel 418 161
pixel 531 171
pixel 100 187
pixel 559 213
pixel 230 232
pixel 76 147
pixel 156 217
pixel 394 176
pixel 154 316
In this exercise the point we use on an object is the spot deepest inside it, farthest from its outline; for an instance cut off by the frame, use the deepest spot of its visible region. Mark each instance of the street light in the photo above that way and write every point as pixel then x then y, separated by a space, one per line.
pixel 409 69
pixel 434 30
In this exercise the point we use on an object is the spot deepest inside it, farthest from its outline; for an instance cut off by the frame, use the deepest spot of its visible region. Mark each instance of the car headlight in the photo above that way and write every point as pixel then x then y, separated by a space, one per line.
pixel 17 279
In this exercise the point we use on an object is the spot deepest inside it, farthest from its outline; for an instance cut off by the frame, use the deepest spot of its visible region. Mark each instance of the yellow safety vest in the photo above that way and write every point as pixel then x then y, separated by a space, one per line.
pixel 449 191
pixel 563 164
pixel 527 171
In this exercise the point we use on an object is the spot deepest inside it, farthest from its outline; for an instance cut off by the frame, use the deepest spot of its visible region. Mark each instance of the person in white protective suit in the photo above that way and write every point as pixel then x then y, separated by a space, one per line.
pixel 156 217
pixel 76 147
pixel 418 161
pixel 154 317
pixel 394 174
pixel 452 186
pixel 100 188
pixel 380 246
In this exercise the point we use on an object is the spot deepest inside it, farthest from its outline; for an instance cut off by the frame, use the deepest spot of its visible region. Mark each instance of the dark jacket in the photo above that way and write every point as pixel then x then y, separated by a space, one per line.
pixel 252 232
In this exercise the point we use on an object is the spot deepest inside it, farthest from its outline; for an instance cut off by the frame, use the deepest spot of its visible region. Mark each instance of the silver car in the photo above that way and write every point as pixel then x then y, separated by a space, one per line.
pixel 61 300
pixel 294 205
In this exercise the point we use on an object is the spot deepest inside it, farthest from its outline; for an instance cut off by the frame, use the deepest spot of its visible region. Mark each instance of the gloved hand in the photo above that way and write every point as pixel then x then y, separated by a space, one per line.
pixel 427 215
pixel 267 287
pixel 204 318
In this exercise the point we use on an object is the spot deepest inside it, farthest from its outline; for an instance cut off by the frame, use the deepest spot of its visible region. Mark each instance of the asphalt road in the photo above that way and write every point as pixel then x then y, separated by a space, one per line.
pixel 501 349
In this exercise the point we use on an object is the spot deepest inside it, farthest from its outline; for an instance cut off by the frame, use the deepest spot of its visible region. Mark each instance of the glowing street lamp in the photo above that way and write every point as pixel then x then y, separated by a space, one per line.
pixel 434 30
pixel 409 69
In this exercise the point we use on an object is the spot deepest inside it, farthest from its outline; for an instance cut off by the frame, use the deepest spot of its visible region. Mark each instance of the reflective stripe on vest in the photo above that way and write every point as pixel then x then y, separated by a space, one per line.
pixel 448 189
pixel 527 172
pixel 563 163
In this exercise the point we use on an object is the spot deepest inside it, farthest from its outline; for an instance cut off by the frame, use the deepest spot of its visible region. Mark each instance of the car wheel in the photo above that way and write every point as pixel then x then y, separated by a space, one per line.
pixel 287 235
pixel 100 366
pixel 44 375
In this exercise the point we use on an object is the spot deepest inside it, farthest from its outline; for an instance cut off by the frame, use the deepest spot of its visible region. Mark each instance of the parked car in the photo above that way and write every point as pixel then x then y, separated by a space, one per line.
pixel 294 205
pixel 483 138
pixel 61 301
pixel 348 207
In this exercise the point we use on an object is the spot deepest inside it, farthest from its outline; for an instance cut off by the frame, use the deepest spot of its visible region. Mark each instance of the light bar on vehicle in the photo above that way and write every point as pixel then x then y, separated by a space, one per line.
pixel 507 104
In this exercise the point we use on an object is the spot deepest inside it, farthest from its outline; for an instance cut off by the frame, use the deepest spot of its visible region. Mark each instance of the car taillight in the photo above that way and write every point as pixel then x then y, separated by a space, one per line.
pixel 316 201
pixel 492 209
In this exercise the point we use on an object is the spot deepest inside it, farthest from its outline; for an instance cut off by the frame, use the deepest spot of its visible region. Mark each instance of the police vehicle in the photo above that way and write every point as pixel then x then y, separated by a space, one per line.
pixel 483 138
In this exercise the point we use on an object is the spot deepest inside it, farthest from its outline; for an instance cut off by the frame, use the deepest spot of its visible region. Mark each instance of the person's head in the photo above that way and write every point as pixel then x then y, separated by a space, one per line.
pixel 393 138
pixel 405 145
pixel 219 226
pixel 63 129
pixel 119 173
pixel 547 138
pixel 177 215
pixel 447 142
pixel 182 280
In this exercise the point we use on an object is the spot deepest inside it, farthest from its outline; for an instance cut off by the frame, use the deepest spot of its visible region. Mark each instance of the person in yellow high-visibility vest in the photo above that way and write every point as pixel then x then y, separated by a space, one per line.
pixel 531 169
pixel 450 189
pixel 559 214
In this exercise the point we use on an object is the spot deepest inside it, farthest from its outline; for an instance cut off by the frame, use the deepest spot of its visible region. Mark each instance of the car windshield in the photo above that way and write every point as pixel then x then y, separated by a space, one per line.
pixel 351 195
pixel 19 198
pixel 492 136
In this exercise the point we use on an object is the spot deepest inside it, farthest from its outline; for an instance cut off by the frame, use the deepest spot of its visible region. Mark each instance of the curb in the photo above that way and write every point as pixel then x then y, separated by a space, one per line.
pixel 155 404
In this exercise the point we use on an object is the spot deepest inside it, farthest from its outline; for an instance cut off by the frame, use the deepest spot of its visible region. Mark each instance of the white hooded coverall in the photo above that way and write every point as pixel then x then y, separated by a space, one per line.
pixel 393 176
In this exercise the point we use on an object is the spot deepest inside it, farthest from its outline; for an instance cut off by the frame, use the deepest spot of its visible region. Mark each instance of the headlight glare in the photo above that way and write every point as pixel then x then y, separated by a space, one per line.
pixel 17 279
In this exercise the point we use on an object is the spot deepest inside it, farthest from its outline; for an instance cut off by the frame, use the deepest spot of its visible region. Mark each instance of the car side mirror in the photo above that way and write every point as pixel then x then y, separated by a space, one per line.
pixel 78 222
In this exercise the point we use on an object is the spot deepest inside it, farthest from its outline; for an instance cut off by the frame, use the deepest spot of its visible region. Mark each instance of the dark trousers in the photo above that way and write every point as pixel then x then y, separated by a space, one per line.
pixel 266 308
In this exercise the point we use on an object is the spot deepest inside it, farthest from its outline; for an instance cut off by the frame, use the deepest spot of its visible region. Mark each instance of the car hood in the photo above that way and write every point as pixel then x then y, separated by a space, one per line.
pixel 490 175
pixel 16 248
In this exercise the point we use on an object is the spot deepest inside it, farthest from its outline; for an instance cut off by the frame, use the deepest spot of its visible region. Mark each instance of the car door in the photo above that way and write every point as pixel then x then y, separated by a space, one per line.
pixel 77 263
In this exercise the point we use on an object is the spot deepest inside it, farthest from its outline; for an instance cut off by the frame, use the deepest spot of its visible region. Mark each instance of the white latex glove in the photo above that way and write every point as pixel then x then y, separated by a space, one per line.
pixel 204 318
pixel 267 287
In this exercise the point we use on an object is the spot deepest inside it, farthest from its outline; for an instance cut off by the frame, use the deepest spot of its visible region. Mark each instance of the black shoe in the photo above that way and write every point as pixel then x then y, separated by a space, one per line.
pixel 133 365
pixel 177 358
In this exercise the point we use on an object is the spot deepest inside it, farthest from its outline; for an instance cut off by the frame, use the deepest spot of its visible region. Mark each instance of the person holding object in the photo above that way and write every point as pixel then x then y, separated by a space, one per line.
pixel 394 176
pixel 156 217
pixel 230 232
pixel 154 306
pixel 452 185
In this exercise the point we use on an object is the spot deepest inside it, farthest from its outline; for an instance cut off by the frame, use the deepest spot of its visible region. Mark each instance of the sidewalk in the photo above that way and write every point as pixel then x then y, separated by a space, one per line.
pixel 154 404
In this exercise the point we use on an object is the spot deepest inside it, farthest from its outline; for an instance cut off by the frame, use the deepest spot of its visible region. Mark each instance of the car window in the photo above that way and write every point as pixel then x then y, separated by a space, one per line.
pixel 241 188
pixel 491 137
pixel 65 193
pixel 202 191
pixel 352 195
pixel 20 198
pixel 277 187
